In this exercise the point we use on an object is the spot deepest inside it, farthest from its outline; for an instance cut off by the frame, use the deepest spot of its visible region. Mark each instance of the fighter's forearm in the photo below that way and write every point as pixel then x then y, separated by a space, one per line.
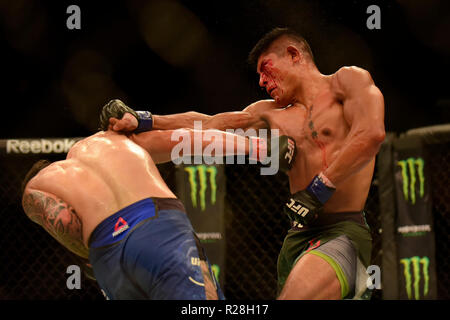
pixel 360 148
pixel 218 143
pixel 167 145
pixel 178 120
pixel 199 121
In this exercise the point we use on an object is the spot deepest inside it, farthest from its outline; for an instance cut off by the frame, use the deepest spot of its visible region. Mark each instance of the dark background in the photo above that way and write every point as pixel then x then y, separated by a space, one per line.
pixel 176 56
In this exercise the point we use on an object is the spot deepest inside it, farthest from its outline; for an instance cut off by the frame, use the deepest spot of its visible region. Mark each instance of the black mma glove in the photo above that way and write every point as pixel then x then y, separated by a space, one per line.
pixel 116 109
pixel 306 205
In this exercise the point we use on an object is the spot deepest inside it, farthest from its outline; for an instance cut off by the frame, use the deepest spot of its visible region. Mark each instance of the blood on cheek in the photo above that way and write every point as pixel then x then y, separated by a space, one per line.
pixel 270 75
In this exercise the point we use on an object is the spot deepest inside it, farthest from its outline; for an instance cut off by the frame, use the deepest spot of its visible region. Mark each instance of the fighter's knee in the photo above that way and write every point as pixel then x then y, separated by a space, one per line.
pixel 312 278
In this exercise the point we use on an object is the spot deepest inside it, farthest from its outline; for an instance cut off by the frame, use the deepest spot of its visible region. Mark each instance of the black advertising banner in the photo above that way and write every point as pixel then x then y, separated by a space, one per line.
pixel 415 236
pixel 202 190
pixel 388 209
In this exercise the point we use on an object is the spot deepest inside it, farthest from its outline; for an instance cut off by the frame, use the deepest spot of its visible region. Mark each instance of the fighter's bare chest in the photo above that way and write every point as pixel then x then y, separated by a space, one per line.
pixel 317 126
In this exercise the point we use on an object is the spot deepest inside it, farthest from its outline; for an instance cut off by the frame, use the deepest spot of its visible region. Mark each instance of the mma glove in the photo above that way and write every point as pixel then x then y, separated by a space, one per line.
pixel 116 109
pixel 260 150
pixel 306 205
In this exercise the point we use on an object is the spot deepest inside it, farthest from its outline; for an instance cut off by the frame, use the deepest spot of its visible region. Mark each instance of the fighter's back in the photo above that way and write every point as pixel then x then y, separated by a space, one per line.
pixel 101 175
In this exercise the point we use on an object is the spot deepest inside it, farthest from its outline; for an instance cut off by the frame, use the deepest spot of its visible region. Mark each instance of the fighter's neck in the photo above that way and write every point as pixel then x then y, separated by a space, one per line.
pixel 311 87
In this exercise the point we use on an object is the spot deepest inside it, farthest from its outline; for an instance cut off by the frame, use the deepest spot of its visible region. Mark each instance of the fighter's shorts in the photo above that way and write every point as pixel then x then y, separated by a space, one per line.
pixel 341 239
pixel 149 250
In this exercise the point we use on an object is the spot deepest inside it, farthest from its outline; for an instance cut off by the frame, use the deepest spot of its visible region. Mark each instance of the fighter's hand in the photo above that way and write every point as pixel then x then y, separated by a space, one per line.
pixel 128 123
pixel 117 109
pixel 306 205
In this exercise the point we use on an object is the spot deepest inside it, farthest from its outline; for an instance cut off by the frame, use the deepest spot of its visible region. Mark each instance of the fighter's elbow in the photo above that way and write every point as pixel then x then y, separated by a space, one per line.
pixel 373 140
pixel 369 139
pixel 377 136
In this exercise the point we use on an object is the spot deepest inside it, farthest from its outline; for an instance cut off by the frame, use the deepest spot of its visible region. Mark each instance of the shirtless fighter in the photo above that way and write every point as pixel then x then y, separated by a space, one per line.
pixel 107 202
pixel 337 122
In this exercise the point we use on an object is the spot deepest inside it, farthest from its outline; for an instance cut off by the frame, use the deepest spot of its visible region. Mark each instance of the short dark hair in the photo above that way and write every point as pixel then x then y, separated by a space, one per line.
pixel 266 41
pixel 37 166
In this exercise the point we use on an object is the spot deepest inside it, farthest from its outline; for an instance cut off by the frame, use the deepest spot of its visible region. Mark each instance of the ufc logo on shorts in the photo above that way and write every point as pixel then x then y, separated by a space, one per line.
pixel 298 209
pixel 290 152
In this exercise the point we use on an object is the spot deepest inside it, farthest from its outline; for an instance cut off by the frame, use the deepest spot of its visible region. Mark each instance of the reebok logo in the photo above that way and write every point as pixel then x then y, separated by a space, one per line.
pixel 40 146
pixel 121 226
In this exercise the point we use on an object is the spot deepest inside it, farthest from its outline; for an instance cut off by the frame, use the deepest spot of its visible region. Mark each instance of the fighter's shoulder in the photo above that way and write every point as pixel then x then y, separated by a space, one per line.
pixel 261 106
pixel 41 179
pixel 350 76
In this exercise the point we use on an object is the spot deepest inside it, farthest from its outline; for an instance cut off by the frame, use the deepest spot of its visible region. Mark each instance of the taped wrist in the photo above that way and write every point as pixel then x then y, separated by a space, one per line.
pixel 321 187
pixel 145 121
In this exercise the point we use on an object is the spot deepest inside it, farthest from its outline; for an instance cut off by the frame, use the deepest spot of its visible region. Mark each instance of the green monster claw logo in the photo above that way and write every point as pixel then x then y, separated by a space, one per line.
pixel 202 171
pixel 416 262
pixel 412 166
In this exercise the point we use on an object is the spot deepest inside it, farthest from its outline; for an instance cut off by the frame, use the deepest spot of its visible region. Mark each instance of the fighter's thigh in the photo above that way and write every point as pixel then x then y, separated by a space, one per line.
pixel 312 277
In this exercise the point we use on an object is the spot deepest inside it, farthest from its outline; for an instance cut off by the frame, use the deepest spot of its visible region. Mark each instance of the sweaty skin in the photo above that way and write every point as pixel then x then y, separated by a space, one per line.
pixel 320 134
pixel 101 175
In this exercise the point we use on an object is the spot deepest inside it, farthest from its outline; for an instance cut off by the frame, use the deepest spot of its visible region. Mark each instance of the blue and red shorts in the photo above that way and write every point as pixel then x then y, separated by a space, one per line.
pixel 149 250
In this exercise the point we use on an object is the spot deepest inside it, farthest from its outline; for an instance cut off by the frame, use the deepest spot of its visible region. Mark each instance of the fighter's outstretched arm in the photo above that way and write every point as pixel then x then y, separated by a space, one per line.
pixel 57 217
pixel 220 121
pixel 250 117
pixel 363 107
pixel 167 145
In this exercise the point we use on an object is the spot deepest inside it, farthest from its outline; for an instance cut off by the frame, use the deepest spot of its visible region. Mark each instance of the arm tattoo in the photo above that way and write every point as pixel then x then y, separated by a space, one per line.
pixel 58 218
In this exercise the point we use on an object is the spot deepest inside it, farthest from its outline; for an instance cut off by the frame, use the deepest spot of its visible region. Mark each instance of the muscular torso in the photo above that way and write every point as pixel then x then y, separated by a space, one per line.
pixel 320 131
pixel 102 174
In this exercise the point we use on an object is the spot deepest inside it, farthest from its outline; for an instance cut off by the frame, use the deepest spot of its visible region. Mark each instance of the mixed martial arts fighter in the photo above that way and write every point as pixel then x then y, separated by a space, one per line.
pixel 337 122
pixel 107 202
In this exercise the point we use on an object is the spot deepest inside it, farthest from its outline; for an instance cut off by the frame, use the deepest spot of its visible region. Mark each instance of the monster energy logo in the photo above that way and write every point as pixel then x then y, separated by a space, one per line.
pixel 201 171
pixel 412 280
pixel 410 167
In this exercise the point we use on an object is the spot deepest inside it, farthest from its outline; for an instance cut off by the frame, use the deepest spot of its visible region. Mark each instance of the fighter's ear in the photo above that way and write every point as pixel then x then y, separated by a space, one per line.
pixel 294 53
